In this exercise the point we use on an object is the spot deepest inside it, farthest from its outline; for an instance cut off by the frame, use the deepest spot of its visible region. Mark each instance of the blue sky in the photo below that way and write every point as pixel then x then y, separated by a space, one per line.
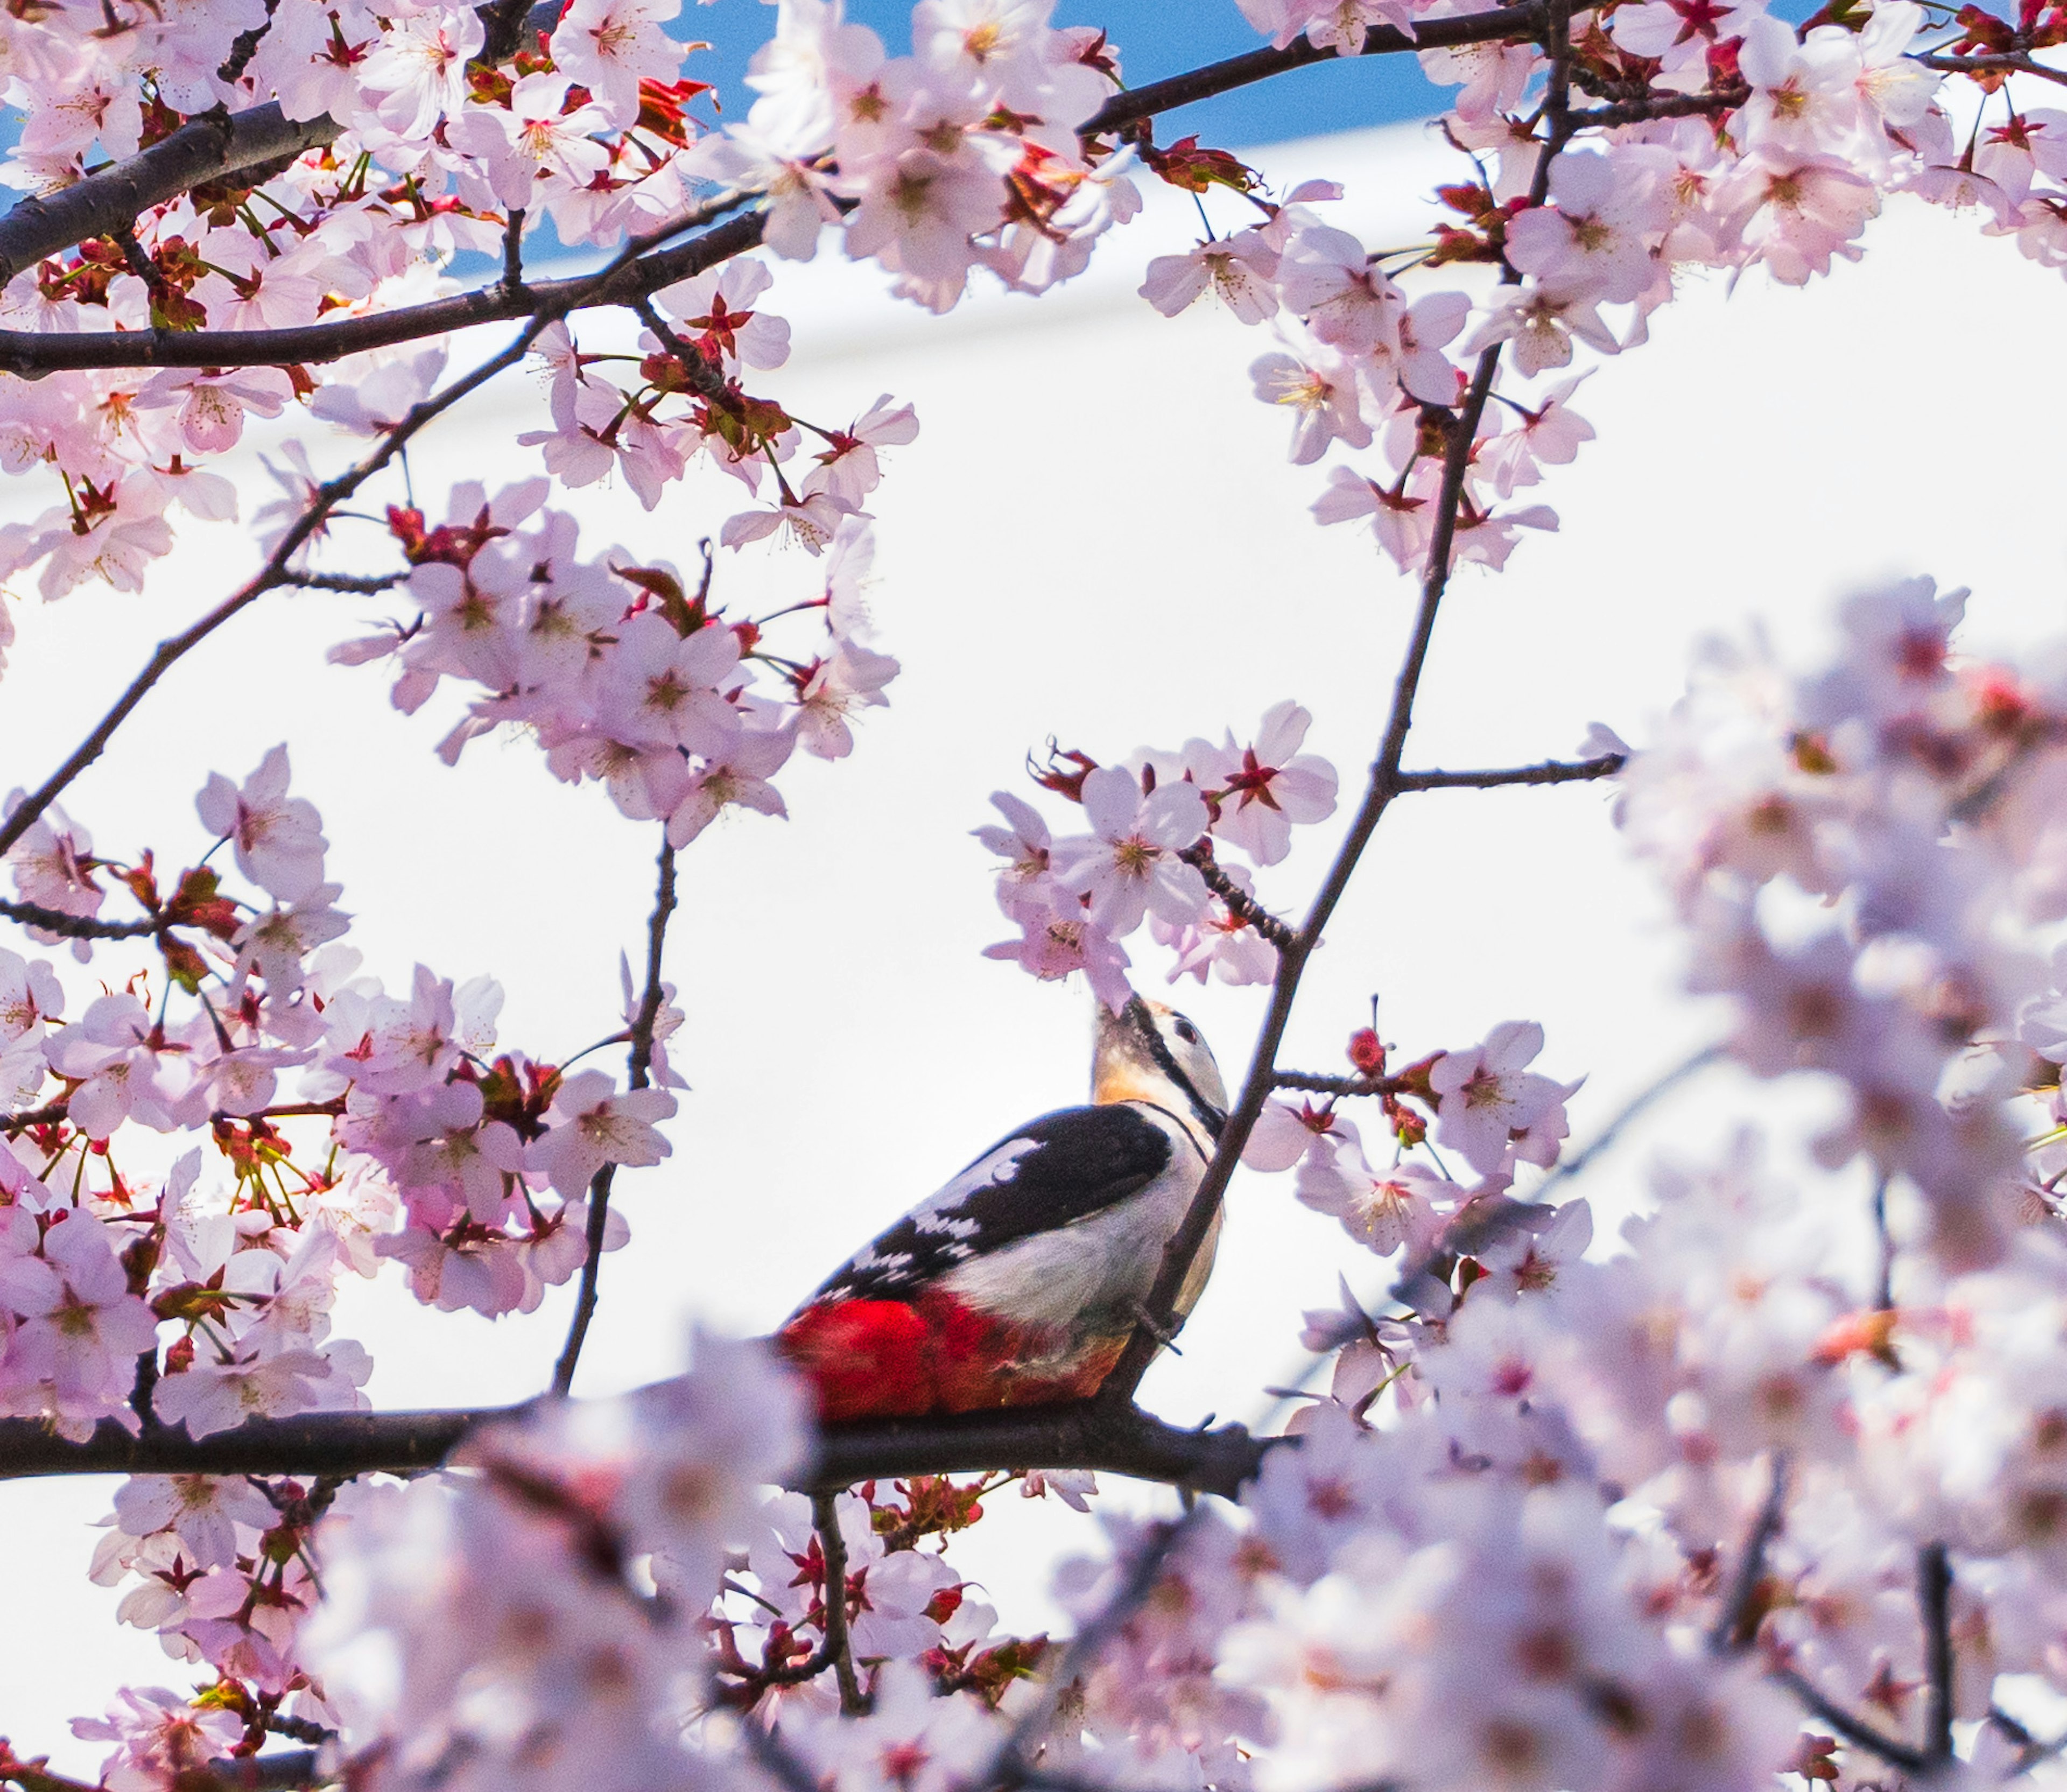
pixel 1154 37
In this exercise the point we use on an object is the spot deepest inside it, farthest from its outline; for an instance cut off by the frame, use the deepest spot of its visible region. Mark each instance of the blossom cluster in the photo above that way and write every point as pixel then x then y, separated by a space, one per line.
pixel 1797 137
pixel 1155 823
pixel 1488 1105
pixel 596 1586
pixel 624 675
pixel 435 145
pixel 1868 859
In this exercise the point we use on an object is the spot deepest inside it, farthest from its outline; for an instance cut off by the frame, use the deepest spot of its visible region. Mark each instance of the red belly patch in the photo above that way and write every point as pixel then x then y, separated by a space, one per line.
pixel 888 1359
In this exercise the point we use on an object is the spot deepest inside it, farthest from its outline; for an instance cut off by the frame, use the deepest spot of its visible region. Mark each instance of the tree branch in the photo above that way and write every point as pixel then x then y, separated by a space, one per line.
pixel 1184 1245
pixel 1548 771
pixel 640 1065
pixel 1083 1434
pixel 1934 1603
pixel 218 146
pixel 30 353
pixel 77 927
pixel 1337 1084
pixel 1736 1626
pixel 276 571
pixel 832 1546
pixel 210 148
pixel 1860 1735
pixel 1262 65
pixel 1240 903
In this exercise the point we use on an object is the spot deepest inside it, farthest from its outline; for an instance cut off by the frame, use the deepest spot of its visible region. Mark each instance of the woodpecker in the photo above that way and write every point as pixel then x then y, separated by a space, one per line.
pixel 1020 1282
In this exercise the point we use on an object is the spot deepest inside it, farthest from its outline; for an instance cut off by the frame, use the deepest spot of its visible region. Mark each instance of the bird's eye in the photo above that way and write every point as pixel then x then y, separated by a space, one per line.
pixel 1187 1032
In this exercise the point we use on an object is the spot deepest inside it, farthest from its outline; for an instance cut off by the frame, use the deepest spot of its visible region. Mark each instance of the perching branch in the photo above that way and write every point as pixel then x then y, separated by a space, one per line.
pixel 1083 1434
pixel 639 1077
pixel 1549 771
pixel 1184 1247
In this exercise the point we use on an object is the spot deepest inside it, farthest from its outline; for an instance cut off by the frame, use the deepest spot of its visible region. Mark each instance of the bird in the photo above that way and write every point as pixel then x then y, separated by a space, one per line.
pixel 1020 1281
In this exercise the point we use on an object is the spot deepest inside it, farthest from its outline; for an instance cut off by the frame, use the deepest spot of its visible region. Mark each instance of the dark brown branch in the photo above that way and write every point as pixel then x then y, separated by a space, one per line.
pixel 1337 1084
pixel 1662 105
pixel 29 353
pixel 1737 1625
pixel 276 570
pixel 1014 1763
pixel 1191 1234
pixel 1859 1734
pixel 1263 65
pixel 1240 903
pixel 211 147
pixel 640 1066
pixel 2019 62
pixel 1083 1434
pixel 364 585
pixel 215 147
pixel 1933 1604
pixel 309 1444
pixel 832 1546
pixel 1549 771
pixel 288 1770
pixel 76 927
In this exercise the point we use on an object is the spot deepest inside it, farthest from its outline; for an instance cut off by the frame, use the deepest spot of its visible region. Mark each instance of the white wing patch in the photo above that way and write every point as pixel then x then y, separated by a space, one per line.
pixel 941 1217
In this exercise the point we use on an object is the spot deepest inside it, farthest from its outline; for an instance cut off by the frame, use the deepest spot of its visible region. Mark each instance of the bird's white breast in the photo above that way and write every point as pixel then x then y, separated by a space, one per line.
pixel 1092 1274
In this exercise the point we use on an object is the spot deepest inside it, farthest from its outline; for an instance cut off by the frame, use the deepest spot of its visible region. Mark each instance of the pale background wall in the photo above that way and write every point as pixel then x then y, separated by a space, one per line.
pixel 1096 536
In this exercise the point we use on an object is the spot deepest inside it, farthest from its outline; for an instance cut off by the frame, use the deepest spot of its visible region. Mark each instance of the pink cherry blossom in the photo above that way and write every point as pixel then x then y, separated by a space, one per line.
pixel 591 1124
pixel 1131 864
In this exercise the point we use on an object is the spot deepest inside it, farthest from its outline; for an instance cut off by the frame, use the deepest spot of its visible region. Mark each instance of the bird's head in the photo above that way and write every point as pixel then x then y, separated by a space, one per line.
pixel 1148 1052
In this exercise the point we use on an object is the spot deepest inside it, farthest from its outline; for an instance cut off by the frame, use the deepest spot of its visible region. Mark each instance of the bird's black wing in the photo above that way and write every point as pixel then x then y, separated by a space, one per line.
pixel 1063 1167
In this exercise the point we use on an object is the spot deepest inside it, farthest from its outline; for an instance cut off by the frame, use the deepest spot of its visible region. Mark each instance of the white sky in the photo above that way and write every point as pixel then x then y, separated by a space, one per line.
pixel 1096 536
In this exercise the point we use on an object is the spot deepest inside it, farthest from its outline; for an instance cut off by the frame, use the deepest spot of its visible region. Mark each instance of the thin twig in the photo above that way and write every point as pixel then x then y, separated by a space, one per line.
pixel 512 250
pixel 2019 62
pixel 1337 1084
pixel 1245 70
pixel 1884 1279
pixel 1736 1626
pixel 363 584
pixel 1184 1247
pixel 1859 1734
pixel 1549 771
pixel 640 1067
pixel 1662 105
pixel 1240 903
pixel 1016 1754
pixel 1579 1162
pixel 832 1545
